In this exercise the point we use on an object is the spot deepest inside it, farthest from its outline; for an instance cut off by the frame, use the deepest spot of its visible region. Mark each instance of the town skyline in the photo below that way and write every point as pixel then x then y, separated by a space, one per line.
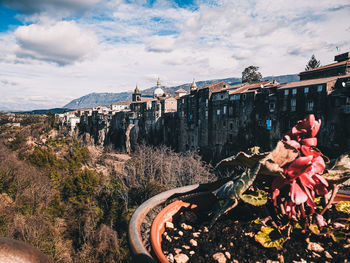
pixel 53 52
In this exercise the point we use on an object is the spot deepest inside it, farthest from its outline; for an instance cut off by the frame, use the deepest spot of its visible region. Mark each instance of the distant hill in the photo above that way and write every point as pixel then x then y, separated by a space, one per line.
pixel 96 99
pixel 39 112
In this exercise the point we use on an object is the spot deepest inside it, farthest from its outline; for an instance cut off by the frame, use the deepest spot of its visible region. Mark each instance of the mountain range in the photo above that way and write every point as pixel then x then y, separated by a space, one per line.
pixel 96 99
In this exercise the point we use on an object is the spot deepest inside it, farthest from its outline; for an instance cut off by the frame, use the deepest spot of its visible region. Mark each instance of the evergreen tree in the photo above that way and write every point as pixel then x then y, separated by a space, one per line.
pixel 251 74
pixel 313 63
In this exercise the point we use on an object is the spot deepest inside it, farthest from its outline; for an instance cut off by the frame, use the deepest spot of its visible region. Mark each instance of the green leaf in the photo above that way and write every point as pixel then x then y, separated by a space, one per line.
pixel 343 206
pixel 338 236
pixel 257 198
pixel 258 221
pixel 314 229
pixel 270 237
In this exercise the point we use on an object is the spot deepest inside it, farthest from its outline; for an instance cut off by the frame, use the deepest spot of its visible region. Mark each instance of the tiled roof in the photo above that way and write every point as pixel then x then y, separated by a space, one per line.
pixel 181 90
pixel 122 103
pixel 253 87
pixel 328 66
pixel 214 85
pixel 308 82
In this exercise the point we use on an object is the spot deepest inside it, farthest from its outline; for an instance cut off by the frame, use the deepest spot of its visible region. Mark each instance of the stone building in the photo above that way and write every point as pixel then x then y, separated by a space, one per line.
pixel 219 120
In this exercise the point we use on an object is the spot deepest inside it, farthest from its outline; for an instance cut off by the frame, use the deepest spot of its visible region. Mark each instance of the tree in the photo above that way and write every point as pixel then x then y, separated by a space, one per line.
pixel 313 63
pixel 251 74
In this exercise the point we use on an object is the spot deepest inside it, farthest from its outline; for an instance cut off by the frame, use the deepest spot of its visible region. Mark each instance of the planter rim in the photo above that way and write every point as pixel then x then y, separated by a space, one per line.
pixel 134 232
pixel 135 240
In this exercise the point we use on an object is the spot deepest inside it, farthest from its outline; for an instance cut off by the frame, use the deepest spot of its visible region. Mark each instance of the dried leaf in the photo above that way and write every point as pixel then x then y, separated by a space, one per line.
pixel 339 173
pixel 343 206
pixel 257 198
pixel 270 237
pixel 241 159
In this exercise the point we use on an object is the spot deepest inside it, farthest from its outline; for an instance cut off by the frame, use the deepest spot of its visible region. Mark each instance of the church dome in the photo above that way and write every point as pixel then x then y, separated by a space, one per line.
pixel 158 92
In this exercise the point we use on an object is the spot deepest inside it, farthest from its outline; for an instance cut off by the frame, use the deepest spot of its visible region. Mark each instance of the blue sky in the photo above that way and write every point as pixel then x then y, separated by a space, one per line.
pixel 52 51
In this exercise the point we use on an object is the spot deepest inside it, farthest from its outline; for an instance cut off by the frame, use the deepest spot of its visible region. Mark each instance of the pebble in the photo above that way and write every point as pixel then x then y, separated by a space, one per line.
pixel 181 258
pixel 272 261
pixel 315 247
pixel 181 233
pixel 231 244
pixel 301 261
pixel 196 234
pixel 228 255
pixel 177 250
pixel 186 227
pixel 206 229
pixel 192 252
pixel 170 257
pixel 328 255
pixel 219 257
pixel 186 247
pixel 193 243
pixel 168 238
pixel 235 261
pixel 169 225
pixel 250 234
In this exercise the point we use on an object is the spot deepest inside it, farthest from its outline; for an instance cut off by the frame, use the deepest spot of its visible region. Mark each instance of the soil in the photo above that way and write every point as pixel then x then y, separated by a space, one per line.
pixel 234 233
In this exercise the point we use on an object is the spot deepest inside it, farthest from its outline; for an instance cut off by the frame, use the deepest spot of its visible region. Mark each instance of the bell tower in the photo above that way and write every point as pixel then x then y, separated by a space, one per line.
pixel 136 96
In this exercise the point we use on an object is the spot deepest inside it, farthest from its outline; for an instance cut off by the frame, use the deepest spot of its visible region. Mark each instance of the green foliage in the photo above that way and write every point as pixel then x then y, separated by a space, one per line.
pixel 79 188
pixel 43 157
pixel 343 206
pixel 56 208
pixel 270 237
pixel 313 63
pixel 251 74
pixel 257 198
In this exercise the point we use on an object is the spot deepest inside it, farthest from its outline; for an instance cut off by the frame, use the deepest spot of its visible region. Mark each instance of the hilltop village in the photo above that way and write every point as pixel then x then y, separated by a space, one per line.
pixel 219 119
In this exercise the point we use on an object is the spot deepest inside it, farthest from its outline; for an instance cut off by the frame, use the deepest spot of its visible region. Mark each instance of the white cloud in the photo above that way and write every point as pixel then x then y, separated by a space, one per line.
pixel 160 43
pixel 137 44
pixel 63 43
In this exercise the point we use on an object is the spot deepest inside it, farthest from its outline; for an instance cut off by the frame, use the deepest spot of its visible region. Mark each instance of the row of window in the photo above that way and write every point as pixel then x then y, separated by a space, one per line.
pixel 306 90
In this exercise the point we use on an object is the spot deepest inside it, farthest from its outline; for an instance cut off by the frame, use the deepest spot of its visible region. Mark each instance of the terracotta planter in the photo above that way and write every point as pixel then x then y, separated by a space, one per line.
pixel 202 201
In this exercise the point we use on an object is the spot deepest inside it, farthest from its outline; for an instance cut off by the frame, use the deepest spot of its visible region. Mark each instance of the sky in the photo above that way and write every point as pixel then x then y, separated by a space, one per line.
pixel 53 51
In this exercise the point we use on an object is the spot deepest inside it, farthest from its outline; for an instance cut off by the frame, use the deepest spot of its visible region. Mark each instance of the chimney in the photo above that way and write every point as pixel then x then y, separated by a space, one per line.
pixel 342 57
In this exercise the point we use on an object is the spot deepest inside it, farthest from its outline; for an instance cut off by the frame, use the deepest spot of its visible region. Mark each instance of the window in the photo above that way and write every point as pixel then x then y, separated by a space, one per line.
pixel 183 100
pixel 294 91
pixel 231 126
pixel 286 92
pixel 206 102
pixel 206 114
pixel 217 112
pixel 222 96
pixel 272 106
pixel 224 109
pixel 293 104
pixel 230 137
pixel 306 90
pixel 310 105
pixel 319 88
pixel 244 96
pixel 224 124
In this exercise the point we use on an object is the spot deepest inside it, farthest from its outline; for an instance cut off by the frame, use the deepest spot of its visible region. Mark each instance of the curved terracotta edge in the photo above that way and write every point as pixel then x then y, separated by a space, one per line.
pixel 158 227
pixel 135 240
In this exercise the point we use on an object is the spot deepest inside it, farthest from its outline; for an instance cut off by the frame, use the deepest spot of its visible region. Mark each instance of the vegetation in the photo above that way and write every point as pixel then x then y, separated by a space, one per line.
pixel 296 184
pixel 74 202
pixel 312 63
pixel 251 74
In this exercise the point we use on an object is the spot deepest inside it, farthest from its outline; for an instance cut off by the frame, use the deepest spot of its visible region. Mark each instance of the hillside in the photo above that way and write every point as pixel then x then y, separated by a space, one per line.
pixel 96 99
pixel 72 201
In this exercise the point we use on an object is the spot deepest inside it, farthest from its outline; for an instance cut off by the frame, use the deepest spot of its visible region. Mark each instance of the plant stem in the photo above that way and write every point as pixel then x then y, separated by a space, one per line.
pixel 329 204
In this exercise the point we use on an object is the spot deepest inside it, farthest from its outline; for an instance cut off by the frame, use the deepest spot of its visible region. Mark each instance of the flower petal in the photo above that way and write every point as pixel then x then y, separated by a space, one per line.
pixel 307 150
pixel 309 141
pixel 318 165
pixel 298 195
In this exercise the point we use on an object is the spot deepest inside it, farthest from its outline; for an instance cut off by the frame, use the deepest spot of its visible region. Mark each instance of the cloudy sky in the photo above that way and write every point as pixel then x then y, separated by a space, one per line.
pixel 52 51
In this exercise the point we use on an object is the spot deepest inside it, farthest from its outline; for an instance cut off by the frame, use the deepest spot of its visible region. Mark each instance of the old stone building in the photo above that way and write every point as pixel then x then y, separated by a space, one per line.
pixel 219 119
